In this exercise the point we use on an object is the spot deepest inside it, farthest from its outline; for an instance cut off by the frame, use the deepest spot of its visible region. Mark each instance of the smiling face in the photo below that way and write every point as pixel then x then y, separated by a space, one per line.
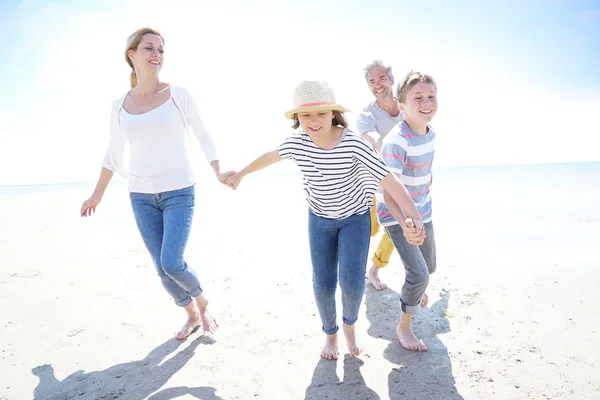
pixel 420 104
pixel 148 56
pixel 316 124
pixel 380 83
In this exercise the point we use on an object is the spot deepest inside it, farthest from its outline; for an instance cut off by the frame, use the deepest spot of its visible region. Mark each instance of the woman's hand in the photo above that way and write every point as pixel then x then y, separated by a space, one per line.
pixel 88 208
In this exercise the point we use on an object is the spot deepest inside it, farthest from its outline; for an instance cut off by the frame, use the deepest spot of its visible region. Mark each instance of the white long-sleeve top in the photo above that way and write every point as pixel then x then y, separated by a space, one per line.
pixel 156 142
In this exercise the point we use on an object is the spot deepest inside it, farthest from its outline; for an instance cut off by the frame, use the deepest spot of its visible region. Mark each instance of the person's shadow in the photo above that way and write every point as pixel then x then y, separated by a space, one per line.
pixel 133 380
pixel 326 384
pixel 418 375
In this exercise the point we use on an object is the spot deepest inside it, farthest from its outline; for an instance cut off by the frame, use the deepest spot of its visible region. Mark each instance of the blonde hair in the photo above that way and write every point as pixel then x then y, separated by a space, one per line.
pixel 337 120
pixel 133 41
pixel 411 79
pixel 378 64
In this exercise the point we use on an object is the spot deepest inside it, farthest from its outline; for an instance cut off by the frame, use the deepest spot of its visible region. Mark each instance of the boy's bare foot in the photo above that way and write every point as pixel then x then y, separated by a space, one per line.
pixel 424 300
pixel 191 326
pixel 406 336
pixel 209 324
pixel 373 276
pixel 330 350
pixel 349 332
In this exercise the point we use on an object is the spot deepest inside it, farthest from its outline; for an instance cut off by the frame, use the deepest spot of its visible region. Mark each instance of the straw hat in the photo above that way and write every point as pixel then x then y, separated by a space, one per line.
pixel 312 96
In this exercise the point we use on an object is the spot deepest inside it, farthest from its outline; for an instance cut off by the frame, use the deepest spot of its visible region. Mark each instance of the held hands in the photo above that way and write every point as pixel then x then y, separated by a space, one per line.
pixel 223 177
pixel 414 231
pixel 233 180
pixel 88 208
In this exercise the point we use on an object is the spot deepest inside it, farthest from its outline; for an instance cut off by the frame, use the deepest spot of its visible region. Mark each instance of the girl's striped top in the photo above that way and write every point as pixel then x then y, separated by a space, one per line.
pixel 340 182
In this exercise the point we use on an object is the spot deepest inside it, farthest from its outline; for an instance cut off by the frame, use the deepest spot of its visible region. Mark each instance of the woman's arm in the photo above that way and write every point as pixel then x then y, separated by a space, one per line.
pixel 89 206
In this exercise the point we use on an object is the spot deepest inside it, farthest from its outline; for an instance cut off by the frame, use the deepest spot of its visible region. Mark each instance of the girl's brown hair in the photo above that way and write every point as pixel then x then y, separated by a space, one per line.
pixel 338 120
pixel 133 41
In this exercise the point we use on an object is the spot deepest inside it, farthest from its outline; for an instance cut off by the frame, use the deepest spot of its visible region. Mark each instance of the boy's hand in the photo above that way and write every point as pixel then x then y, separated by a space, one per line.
pixel 414 231
pixel 233 180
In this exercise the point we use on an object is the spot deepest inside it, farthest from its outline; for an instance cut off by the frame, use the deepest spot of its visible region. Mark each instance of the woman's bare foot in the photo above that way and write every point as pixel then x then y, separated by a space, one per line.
pixel 406 336
pixel 373 276
pixel 424 300
pixel 209 324
pixel 192 324
pixel 349 332
pixel 330 350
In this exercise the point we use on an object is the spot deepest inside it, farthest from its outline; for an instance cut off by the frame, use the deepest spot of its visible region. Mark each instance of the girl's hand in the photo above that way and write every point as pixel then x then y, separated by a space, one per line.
pixel 88 208
pixel 233 180
pixel 223 176
pixel 414 231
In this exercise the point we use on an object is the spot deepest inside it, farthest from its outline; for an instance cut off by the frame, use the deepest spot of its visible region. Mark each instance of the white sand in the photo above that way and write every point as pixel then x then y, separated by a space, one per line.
pixel 514 312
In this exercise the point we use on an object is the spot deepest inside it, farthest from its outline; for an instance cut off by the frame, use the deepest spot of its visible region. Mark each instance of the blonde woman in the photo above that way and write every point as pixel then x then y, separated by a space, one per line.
pixel 150 122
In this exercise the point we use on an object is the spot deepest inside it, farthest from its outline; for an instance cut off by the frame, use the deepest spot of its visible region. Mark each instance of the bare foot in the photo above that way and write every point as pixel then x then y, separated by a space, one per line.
pixel 373 276
pixel 408 340
pixel 424 300
pixel 349 332
pixel 330 350
pixel 191 326
pixel 209 324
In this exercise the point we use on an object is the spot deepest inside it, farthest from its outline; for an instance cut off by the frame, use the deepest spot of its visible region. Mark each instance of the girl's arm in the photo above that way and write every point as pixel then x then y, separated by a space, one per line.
pixel 397 199
pixel 261 162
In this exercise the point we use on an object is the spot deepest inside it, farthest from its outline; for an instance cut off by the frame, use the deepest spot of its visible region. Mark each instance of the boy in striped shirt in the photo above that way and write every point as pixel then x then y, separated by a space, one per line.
pixel 408 150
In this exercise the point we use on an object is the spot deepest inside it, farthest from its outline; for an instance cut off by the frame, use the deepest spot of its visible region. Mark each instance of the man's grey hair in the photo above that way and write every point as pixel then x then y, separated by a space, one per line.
pixel 378 64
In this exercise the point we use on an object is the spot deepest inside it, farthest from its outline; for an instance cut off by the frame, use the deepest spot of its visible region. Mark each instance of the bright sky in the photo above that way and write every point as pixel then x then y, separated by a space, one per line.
pixel 518 80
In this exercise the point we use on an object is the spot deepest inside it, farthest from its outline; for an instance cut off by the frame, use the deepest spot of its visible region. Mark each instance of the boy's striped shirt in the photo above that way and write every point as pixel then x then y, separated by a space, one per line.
pixel 411 156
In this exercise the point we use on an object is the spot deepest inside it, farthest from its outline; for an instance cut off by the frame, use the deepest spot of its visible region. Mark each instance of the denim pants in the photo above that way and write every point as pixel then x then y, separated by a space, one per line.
pixel 419 262
pixel 343 242
pixel 164 220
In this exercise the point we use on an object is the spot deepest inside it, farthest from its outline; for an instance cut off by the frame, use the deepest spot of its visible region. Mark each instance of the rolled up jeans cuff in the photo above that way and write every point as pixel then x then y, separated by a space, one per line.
pixel 331 331
pixel 411 310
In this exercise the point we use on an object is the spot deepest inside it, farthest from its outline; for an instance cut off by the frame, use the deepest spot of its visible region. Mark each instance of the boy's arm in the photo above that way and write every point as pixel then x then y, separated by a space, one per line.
pixel 261 162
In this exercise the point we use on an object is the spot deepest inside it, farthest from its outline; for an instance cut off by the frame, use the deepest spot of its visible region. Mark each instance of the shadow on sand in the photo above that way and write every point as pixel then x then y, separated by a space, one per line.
pixel 133 380
pixel 417 375
pixel 326 384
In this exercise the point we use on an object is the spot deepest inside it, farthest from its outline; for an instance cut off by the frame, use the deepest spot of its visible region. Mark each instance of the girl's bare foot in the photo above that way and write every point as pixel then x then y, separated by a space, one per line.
pixel 192 324
pixel 330 350
pixel 424 300
pixel 209 324
pixel 373 276
pixel 406 336
pixel 349 332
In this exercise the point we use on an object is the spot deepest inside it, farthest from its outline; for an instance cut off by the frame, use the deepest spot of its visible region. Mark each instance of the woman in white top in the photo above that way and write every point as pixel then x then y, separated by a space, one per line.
pixel 151 119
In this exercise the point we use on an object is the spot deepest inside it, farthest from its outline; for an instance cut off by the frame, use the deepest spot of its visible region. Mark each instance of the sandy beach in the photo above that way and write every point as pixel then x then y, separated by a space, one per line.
pixel 513 313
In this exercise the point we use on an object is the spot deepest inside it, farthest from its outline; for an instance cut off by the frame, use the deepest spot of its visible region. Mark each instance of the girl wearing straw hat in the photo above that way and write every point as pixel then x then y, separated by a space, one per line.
pixel 341 173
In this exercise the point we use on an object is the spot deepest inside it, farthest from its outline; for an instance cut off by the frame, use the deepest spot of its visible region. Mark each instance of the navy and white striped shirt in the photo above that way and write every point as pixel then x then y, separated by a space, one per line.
pixel 340 182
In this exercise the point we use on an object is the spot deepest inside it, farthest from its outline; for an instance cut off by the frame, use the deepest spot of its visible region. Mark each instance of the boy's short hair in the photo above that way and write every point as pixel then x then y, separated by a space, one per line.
pixel 411 79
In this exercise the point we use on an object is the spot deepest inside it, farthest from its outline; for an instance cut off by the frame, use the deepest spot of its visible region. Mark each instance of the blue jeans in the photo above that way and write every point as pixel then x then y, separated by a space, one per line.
pixel 164 220
pixel 343 242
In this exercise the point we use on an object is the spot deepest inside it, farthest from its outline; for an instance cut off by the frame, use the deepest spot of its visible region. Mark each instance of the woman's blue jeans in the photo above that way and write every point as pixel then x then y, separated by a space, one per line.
pixel 164 220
